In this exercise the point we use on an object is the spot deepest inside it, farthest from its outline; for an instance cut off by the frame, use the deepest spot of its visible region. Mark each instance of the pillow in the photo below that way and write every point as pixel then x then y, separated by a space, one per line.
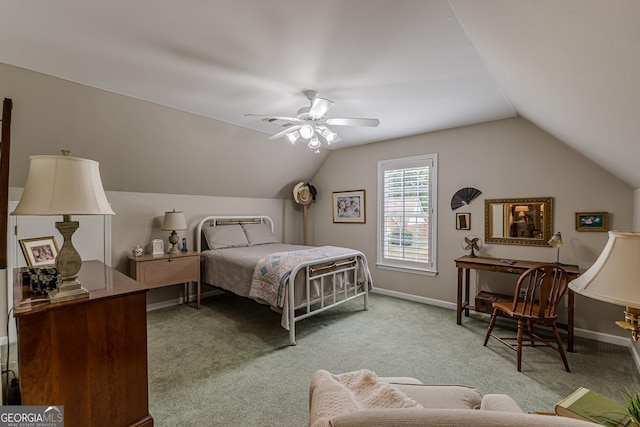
pixel 225 236
pixel 259 234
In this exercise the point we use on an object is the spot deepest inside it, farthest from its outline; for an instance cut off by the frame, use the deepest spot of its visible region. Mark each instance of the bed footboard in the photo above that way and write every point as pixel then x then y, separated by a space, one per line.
pixel 345 269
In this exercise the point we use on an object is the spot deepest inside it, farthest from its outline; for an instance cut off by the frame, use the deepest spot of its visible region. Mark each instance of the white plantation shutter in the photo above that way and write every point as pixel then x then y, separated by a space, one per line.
pixel 406 228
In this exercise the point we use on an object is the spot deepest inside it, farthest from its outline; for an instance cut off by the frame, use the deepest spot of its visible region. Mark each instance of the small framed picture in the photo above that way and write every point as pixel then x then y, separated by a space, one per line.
pixel 349 206
pixel 463 221
pixel 39 251
pixel 592 221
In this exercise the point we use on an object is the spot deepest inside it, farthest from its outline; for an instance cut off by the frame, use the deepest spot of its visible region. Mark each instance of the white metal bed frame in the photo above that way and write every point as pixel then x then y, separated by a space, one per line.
pixel 326 269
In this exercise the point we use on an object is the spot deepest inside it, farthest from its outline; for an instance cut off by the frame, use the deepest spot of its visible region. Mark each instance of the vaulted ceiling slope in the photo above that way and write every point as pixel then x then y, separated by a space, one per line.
pixel 569 66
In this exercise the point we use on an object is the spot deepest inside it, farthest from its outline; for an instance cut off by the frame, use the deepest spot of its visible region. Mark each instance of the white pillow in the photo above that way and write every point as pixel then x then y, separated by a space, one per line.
pixel 259 234
pixel 225 236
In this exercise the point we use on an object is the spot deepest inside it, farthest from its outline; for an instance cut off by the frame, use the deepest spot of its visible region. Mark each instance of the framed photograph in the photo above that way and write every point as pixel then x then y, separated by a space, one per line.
pixel 463 221
pixel 349 206
pixel 39 251
pixel 592 221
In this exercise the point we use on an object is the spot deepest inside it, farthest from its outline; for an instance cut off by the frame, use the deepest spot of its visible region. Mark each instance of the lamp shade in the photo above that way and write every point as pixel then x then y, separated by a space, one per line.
pixel 63 185
pixel 615 275
pixel 174 221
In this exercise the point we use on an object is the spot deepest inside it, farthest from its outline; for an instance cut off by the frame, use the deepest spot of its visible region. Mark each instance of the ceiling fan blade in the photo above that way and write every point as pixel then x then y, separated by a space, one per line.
pixel 268 116
pixel 352 122
pixel 319 107
pixel 284 132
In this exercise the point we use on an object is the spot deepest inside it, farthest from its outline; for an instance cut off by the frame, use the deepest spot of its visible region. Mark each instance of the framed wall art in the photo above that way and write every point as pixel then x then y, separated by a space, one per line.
pixel 349 206
pixel 592 221
pixel 39 251
pixel 463 221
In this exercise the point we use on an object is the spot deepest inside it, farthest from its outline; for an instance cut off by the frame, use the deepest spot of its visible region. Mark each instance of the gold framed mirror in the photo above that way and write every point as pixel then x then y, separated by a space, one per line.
pixel 526 221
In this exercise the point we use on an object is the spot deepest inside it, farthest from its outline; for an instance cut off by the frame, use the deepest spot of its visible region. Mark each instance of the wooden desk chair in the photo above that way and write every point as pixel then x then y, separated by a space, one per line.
pixel 541 287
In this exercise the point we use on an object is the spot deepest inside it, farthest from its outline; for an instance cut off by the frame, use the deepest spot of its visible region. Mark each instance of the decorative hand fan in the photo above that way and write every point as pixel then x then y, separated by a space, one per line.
pixel 464 196
pixel 472 242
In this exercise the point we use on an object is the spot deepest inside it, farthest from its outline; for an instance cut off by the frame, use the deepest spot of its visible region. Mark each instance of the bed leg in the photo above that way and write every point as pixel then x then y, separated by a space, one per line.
pixel 292 334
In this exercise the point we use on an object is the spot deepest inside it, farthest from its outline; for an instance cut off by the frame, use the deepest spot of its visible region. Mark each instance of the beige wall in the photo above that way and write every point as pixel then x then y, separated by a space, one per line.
pixel 146 151
pixel 503 159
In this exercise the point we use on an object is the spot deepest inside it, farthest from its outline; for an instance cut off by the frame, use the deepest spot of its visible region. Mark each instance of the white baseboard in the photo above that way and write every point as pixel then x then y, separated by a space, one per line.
pixel 584 333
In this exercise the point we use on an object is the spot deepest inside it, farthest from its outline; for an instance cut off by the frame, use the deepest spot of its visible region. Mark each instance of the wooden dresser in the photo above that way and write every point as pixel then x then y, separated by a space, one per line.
pixel 88 355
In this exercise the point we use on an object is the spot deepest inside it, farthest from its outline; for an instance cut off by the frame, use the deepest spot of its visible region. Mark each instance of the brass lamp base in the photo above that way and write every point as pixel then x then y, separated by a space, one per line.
pixel 632 322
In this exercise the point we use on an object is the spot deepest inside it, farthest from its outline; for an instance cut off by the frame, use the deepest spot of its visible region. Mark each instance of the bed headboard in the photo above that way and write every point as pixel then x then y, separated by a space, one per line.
pixel 216 220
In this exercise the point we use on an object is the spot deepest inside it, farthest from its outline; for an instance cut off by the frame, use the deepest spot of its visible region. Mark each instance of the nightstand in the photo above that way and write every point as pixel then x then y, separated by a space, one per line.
pixel 157 271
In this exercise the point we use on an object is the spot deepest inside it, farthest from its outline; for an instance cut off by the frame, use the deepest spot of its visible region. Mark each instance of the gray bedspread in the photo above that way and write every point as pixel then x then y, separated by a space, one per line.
pixel 232 268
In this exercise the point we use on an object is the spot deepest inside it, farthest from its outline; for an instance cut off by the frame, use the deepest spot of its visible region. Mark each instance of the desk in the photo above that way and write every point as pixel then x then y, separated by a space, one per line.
pixel 87 354
pixel 466 263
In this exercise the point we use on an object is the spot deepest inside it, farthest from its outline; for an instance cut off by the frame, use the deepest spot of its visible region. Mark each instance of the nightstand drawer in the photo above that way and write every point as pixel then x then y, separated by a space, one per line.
pixel 155 272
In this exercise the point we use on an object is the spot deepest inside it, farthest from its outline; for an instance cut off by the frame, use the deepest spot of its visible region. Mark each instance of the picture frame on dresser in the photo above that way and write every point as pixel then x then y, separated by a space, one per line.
pixel 39 251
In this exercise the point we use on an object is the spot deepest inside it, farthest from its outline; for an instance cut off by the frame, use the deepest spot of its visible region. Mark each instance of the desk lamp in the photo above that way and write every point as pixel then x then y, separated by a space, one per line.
pixel 615 278
pixel 556 242
pixel 521 209
pixel 174 221
pixel 64 185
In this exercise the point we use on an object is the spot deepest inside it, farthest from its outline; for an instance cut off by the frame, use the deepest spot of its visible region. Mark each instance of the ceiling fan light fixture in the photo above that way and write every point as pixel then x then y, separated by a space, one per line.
pixel 314 142
pixel 293 136
pixel 306 131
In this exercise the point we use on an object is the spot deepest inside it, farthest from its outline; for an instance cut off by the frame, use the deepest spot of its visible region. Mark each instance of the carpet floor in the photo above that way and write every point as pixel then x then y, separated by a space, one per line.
pixel 230 363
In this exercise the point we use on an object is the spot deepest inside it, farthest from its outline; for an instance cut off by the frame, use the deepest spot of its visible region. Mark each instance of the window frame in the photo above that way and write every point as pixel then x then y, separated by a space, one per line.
pixel 429 268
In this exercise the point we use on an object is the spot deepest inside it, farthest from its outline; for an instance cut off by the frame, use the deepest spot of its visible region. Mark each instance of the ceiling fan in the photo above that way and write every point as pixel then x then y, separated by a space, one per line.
pixel 311 122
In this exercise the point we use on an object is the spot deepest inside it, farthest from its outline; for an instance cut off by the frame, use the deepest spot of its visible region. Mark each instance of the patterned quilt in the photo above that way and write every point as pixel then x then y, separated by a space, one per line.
pixel 269 282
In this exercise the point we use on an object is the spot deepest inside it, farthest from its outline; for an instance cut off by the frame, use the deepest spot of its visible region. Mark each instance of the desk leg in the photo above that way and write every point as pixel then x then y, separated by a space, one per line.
pixel 467 280
pixel 459 299
pixel 570 311
pixel 186 293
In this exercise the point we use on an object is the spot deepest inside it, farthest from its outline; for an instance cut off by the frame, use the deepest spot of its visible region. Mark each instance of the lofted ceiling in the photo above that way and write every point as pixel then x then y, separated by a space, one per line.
pixel 568 66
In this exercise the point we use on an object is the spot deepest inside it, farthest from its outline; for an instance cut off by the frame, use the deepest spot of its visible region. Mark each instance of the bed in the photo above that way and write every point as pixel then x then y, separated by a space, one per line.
pixel 241 255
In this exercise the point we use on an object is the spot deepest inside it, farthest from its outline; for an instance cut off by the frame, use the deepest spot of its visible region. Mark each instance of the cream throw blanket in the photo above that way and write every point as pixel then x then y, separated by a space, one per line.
pixel 335 394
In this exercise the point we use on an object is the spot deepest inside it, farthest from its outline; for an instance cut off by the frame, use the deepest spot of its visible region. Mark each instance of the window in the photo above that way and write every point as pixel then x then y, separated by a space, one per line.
pixel 407 214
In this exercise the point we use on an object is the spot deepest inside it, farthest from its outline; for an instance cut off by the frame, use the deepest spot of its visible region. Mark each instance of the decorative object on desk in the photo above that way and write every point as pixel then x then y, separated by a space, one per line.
pixel 349 206
pixel 463 197
pixel 184 245
pixel 588 405
pixel 472 242
pixel 64 185
pixel 463 221
pixel 556 242
pixel 593 221
pixel 157 247
pixel 43 279
pixel 174 221
pixel 615 278
pixel 39 250
pixel 137 250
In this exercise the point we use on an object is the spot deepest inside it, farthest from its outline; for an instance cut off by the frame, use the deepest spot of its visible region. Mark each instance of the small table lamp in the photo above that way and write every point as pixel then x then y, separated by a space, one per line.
pixel 174 221
pixel 64 185
pixel 556 242
pixel 521 212
pixel 615 278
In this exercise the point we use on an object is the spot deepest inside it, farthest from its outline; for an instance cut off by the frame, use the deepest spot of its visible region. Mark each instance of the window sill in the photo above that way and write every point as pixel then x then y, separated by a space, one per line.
pixel 409 270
